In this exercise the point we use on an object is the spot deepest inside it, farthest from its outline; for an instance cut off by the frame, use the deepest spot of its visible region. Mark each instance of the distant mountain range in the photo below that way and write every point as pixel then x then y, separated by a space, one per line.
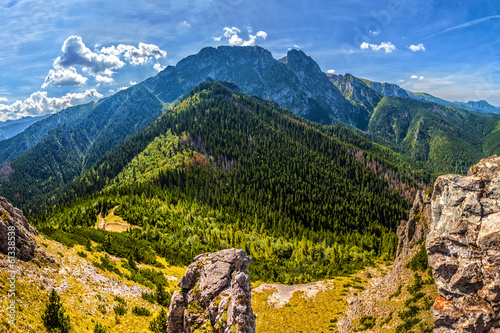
pixel 10 128
pixel 435 134
pixel 389 89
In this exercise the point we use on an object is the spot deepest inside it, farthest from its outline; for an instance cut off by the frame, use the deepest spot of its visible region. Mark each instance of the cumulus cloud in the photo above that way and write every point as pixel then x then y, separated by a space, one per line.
pixel 416 48
pixel 388 47
pixel 233 38
pixel 3 100
pixel 64 78
pixel 75 53
pixel 38 104
pixel 158 67
pixel 415 77
pixel 132 83
pixel 330 71
pixel 401 81
pixel 103 79
pixel 136 56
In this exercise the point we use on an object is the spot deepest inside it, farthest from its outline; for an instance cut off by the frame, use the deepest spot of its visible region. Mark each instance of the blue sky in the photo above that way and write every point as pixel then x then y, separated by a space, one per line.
pixel 57 53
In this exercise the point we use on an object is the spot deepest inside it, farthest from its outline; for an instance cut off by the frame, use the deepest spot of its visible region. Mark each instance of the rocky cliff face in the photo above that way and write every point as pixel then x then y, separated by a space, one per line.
pixel 215 295
pixel 295 82
pixel 12 220
pixel 463 247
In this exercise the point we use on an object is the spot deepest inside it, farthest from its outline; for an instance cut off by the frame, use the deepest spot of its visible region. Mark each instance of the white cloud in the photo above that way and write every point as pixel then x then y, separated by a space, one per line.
pixel 388 47
pixel 421 78
pixel 103 79
pixel 38 104
pixel 401 81
pixel 374 32
pixel 235 40
pixel 185 24
pixel 415 77
pixel 132 83
pixel 416 48
pixel 330 71
pixel 3 100
pixel 122 88
pixel 262 34
pixel 64 78
pixel 75 53
pixel 136 56
pixel 158 67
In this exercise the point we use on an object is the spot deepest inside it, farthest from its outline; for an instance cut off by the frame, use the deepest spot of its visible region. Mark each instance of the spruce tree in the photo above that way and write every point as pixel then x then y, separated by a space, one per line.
pixel 54 318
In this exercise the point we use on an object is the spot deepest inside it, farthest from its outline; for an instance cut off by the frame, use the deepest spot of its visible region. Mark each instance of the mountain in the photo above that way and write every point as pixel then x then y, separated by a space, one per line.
pixel 357 92
pixel 225 170
pixel 295 82
pixel 442 138
pixel 479 106
pixel 20 143
pixel 386 89
pixel 10 128
pixel 72 147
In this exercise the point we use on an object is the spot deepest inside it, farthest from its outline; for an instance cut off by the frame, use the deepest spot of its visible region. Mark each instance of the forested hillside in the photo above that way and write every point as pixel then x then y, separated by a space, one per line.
pixel 225 170
pixel 444 139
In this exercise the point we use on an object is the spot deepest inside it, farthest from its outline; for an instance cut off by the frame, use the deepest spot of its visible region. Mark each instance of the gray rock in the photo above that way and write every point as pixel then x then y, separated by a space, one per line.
pixel 26 247
pixel 215 295
pixel 463 246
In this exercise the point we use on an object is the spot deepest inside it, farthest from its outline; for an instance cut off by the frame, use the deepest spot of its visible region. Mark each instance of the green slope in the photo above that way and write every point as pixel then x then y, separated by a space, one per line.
pixel 443 139
pixel 225 170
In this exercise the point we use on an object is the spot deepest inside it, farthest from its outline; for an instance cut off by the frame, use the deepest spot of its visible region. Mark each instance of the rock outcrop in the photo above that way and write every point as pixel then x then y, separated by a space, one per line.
pixel 12 220
pixel 215 295
pixel 413 230
pixel 463 246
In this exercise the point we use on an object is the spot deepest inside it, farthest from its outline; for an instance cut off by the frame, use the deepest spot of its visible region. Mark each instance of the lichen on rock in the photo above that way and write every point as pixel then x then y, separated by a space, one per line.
pixel 215 295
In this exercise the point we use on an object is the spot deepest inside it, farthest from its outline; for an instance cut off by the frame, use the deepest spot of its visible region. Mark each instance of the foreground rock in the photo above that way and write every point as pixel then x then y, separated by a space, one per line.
pixel 215 295
pixel 463 246
pixel 12 220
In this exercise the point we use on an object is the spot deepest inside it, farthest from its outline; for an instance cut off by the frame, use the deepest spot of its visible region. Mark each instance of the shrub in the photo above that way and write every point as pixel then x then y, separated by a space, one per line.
pixel 141 311
pixel 82 254
pixel 98 328
pixel 54 318
pixel 160 323
pixel 120 310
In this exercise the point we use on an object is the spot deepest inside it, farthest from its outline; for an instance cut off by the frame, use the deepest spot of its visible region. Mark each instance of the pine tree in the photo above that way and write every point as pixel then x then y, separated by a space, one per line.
pixel 131 262
pixel 53 318
pixel 160 323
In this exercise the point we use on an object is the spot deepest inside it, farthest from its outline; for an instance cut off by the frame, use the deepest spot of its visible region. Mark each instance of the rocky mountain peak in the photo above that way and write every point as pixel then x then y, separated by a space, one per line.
pixel 463 249
pixel 215 295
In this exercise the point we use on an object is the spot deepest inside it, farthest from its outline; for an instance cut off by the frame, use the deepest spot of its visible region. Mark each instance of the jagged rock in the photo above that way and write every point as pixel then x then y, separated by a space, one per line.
pixel 215 295
pixel 463 247
pixel 25 245
pixel 415 228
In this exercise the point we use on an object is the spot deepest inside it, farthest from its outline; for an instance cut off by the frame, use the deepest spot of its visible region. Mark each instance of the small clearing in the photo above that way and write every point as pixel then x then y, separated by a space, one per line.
pixel 114 223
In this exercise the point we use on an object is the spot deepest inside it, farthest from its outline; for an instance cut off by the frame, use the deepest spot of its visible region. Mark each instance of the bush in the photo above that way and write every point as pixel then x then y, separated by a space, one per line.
pixel 54 318
pixel 160 323
pixel 82 254
pixel 419 261
pixel 120 310
pixel 98 328
pixel 120 300
pixel 141 311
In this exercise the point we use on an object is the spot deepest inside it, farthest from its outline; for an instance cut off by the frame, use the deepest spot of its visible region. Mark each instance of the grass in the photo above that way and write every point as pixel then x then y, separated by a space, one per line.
pixel 303 314
pixel 80 300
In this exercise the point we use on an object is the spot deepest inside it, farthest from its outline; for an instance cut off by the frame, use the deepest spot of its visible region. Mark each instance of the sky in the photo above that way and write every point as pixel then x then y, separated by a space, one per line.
pixel 55 53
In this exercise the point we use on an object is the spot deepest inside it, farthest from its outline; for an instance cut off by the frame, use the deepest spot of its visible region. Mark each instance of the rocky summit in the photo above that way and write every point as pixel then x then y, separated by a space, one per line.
pixel 215 295
pixel 463 246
